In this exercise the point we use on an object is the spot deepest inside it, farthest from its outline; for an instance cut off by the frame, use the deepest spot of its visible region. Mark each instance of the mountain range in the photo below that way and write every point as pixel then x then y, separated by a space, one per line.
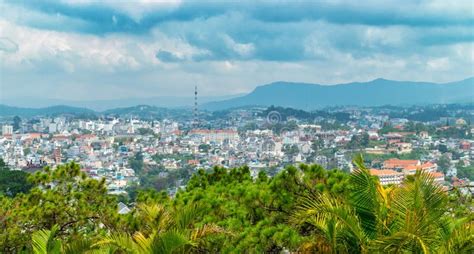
pixel 373 93
pixel 304 96
pixel 103 105
pixel 53 110
pixel 142 111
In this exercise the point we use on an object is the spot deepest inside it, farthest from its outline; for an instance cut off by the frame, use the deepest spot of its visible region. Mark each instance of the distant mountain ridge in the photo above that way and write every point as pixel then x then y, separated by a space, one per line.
pixel 373 93
pixel 142 111
pixel 304 96
pixel 103 105
pixel 53 110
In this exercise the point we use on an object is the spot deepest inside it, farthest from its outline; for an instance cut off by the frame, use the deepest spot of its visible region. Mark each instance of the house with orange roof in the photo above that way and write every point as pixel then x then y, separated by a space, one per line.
pixel 397 164
pixel 409 167
pixel 438 177
pixel 427 166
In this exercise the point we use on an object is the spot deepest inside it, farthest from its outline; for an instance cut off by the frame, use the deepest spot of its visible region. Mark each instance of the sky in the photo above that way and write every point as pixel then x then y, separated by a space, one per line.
pixel 92 50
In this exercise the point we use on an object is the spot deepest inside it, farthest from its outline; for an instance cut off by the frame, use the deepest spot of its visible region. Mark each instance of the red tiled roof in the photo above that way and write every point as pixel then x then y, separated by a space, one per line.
pixel 437 174
pixel 391 163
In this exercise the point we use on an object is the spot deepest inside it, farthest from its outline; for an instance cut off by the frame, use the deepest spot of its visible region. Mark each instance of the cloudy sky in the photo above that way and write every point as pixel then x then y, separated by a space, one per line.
pixel 90 49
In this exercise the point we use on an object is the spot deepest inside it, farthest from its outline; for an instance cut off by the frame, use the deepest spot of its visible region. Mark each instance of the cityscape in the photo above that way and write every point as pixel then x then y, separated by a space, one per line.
pixel 129 151
pixel 280 127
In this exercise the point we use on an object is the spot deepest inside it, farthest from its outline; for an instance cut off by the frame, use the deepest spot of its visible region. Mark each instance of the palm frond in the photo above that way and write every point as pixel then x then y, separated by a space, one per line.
pixel 460 238
pixel 144 243
pixel 401 242
pixel 333 221
pixel 120 241
pixel 79 246
pixel 184 217
pixel 170 241
pixel 155 216
pixel 418 210
pixel 365 197
pixel 43 241
pixel 206 230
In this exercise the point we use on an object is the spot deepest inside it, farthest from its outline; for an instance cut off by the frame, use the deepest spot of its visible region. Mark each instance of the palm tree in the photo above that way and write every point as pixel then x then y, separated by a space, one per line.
pixel 422 222
pixel 47 242
pixel 163 232
pixel 332 225
pixel 44 242
pixel 411 218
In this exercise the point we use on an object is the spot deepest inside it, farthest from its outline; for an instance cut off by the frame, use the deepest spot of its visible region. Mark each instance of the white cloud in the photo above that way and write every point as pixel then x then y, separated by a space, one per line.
pixel 243 49
pixel 229 53
pixel 7 45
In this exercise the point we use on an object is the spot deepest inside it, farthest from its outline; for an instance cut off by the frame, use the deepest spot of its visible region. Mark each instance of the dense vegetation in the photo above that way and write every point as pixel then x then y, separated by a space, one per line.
pixel 301 209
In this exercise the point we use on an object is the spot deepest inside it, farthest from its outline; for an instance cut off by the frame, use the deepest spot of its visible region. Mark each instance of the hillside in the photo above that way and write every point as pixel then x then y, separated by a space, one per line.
pixel 374 93
pixel 147 112
pixel 51 111
pixel 141 111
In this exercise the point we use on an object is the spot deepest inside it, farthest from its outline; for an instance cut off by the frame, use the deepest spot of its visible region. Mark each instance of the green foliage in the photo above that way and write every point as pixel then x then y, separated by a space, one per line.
pixel 64 197
pixel 303 208
pixel 145 131
pixel 359 141
pixel 458 132
pixel 290 150
pixel 204 148
pixel 16 123
pixel 466 172
pixel 444 163
pixel 12 182
pixel 136 163
pixel 415 154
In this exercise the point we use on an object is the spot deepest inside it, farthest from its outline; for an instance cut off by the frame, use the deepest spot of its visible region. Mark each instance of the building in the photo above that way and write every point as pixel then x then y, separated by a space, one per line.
pixel 403 148
pixel 438 177
pixel 428 167
pixel 216 136
pixel 57 155
pixel 388 176
pixel 7 130
pixel 399 165
pixel 461 121
pixel 424 135
pixel 409 167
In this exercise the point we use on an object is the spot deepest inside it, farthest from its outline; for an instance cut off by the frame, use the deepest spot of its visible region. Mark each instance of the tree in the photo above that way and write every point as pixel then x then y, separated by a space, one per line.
pixel 413 218
pixel 303 208
pixel 145 131
pixel 204 148
pixel 290 150
pixel 444 163
pixel 16 123
pixel 466 172
pixel 164 231
pixel 65 197
pixel 317 144
pixel 13 182
pixel 136 163
pixel 442 148
pixel 359 141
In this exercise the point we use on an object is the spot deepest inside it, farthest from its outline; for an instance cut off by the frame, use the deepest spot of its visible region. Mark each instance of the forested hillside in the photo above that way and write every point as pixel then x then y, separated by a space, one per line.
pixel 301 209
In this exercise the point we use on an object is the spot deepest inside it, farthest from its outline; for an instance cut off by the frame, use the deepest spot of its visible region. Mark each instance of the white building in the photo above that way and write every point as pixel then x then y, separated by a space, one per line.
pixel 53 128
pixel 388 176
pixel 7 130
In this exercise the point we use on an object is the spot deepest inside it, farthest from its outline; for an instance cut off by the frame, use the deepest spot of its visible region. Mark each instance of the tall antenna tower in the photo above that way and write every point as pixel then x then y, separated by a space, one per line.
pixel 195 106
